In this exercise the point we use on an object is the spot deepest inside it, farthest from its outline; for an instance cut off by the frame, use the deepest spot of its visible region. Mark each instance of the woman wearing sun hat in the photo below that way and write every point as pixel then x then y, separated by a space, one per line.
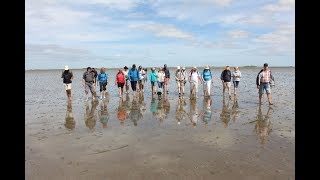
pixel 67 76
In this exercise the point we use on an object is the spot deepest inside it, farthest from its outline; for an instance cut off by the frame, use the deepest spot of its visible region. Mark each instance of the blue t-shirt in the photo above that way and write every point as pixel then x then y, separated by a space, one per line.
pixel 153 77
pixel 102 77
pixel 206 74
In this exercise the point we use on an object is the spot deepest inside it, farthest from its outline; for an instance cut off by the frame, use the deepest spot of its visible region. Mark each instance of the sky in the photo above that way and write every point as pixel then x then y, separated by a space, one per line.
pixel 151 33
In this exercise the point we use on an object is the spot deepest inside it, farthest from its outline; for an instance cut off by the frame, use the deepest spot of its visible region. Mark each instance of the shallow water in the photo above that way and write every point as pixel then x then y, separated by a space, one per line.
pixel 147 138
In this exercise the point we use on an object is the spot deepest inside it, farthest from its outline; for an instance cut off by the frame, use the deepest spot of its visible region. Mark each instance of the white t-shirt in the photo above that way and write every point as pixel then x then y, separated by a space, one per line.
pixel 194 76
pixel 160 76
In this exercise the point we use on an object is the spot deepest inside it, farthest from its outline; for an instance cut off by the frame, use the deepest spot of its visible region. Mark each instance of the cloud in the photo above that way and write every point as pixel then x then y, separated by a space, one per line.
pixel 280 6
pixel 283 36
pixel 164 30
pixel 238 34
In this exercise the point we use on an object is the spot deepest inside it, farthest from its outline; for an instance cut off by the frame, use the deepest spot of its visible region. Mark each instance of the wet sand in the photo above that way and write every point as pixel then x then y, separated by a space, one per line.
pixel 147 138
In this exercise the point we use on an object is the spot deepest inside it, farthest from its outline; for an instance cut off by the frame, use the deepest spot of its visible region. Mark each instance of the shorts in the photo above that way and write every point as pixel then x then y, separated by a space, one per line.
pixel 264 86
pixel 103 86
pixel 152 84
pixel 226 84
pixel 67 86
pixel 120 85
pixel 141 82
pixel 236 84
pixel 166 81
pixel 160 84
pixel 89 85
pixel 134 85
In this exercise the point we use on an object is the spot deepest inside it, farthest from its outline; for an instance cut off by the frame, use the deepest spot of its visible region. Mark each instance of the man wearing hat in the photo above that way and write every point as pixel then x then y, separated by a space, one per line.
pixel 263 80
pixel 179 76
pixel 67 76
pixel 194 78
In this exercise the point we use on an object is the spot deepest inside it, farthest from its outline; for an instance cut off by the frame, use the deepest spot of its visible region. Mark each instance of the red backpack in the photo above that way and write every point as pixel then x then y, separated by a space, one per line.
pixel 120 78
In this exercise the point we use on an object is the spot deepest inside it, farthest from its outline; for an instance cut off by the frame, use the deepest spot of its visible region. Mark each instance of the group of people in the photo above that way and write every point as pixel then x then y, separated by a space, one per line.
pixel 137 77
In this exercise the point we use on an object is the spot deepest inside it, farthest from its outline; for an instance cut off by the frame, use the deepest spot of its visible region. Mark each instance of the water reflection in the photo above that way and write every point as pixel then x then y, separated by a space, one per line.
pixel 127 105
pixel 263 126
pixel 103 113
pixel 70 122
pixel 90 115
pixel 122 114
pixel 181 111
pixel 225 115
pixel 235 110
pixel 193 113
pixel 166 105
pixel 206 112
pixel 135 112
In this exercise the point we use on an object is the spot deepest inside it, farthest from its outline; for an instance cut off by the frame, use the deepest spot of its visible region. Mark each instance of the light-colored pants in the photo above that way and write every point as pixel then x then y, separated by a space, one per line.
pixel 194 87
pixel 207 86
pixel 180 84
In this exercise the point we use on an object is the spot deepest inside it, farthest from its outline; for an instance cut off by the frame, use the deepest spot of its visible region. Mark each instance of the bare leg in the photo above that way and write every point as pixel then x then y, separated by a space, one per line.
pixel 269 98
pixel 119 89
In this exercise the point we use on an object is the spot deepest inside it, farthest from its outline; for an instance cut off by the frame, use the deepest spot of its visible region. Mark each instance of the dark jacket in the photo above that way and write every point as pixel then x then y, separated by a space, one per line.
pixel 166 73
pixel 226 75
pixel 67 77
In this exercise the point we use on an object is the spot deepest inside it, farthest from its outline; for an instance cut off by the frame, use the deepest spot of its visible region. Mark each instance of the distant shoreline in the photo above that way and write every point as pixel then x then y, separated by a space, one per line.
pixel 187 67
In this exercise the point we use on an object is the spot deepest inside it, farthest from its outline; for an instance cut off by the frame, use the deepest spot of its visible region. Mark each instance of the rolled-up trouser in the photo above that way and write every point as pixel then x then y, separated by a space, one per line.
pixel 207 86
pixel 194 87
pixel 89 85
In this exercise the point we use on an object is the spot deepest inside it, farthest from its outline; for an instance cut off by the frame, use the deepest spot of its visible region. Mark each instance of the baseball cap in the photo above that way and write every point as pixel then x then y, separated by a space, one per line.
pixel 265 64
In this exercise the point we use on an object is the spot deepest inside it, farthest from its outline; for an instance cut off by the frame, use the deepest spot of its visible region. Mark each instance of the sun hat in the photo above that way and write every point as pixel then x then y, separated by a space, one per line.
pixel 66 67
pixel 178 67
pixel 207 67
pixel 183 68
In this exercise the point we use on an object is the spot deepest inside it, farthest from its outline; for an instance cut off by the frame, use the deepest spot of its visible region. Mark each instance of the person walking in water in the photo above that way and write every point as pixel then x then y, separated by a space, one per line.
pixel 153 80
pixel 160 80
pixel 263 80
pixel 134 77
pixel 142 74
pixel 194 78
pixel 226 80
pixel 103 81
pixel 236 75
pixel 88 83
pixel 179 76
pixel 67 76
pixel 127 83
pixel 120 80
pixel 207 79
pixel 166 78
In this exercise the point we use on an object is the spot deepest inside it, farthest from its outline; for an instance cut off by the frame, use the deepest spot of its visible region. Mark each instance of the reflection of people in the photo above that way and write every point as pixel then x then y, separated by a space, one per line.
pixel 263 81
pixel 70 122
pixel 67 76
pixel 90 116
pixel 127 105
pixel 181 112
pixel 103 113
pixel 142 104
pixel 135 113
pixel 206 112
pixel 122 114
pixel 225 115
pixel 154 107
pixel 193 113
pixel 235 107
pixel 263 126
pixel 166 106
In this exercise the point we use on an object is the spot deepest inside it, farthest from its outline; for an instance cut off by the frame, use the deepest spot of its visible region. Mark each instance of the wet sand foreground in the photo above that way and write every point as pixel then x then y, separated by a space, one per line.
pixel 147 138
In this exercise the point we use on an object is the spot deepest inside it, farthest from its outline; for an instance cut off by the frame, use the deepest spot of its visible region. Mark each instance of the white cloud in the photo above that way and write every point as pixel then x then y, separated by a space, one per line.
pixel 283 36
pixel 164 30
pixel 280 6
pixel 237 34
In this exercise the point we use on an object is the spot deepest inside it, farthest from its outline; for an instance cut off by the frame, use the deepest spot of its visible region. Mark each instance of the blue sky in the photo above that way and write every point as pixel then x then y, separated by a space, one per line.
pixel 114 33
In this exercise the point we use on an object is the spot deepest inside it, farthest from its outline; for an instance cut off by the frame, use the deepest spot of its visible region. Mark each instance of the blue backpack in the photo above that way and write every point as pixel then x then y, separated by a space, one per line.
pixel 206 75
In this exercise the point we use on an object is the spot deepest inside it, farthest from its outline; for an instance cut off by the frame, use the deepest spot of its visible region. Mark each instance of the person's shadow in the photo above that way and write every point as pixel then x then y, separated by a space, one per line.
pixel 70 123
pixel 90 115
pixel 235 110
pixel 135 113
pixel 225 115
pixel 263 126
pixel 206 112
pixel 193 113
pixel 104 113
pixel 181 112
pixel 122 114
